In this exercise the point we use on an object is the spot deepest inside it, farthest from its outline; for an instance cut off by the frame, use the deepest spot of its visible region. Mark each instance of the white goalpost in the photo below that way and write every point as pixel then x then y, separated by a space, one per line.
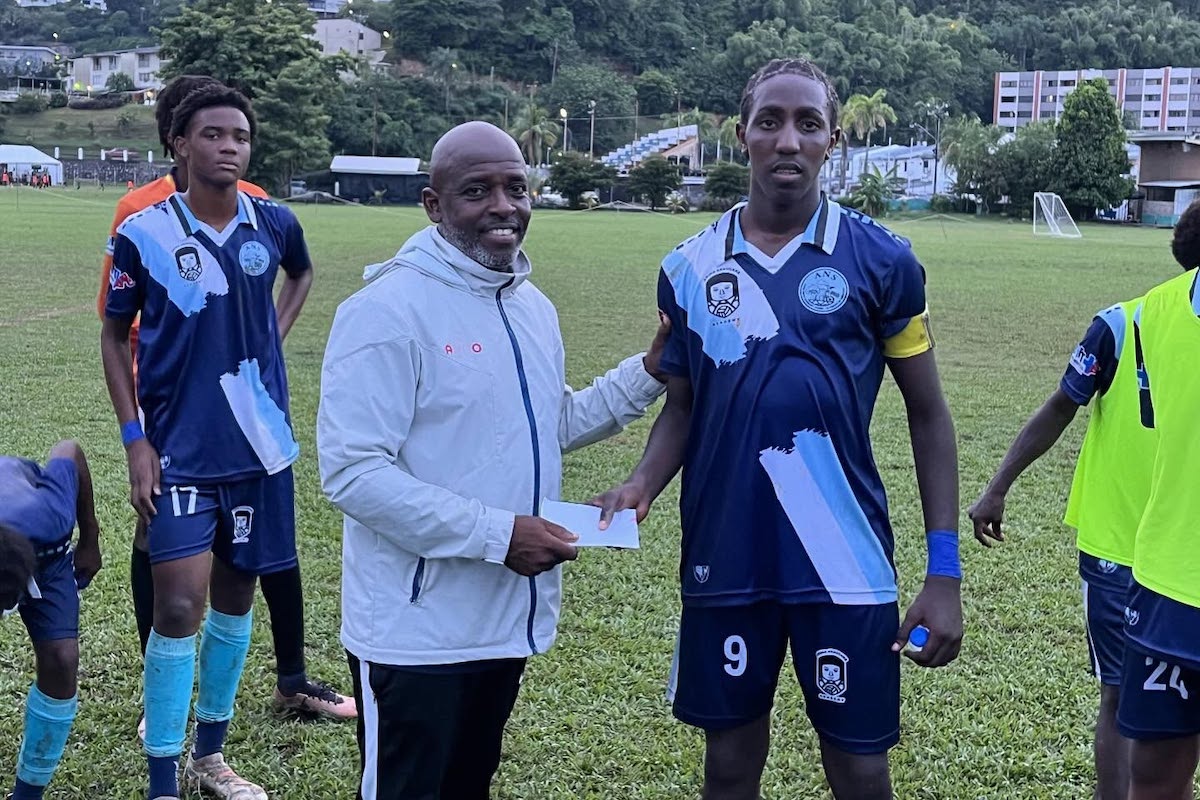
pixel 1051 218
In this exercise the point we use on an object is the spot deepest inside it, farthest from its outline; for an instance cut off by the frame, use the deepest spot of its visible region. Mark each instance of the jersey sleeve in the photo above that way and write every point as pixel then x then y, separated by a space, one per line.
pixel 295 260
pixel 914 339
pixel 674 359
pixel 1092 365
pixel 123 212
pixel 126 281
pixel 903 297
pixel 58 494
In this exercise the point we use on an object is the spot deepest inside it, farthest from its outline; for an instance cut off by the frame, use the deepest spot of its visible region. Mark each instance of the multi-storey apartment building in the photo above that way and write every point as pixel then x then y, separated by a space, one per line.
pixel 1158 99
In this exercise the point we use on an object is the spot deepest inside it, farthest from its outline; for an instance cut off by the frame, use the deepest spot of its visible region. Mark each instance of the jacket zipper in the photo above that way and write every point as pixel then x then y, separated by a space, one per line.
pixel 537 456
pixel 418 579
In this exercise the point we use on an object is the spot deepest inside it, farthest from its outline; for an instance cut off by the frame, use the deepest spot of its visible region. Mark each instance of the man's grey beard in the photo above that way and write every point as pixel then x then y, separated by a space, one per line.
pixel 473 249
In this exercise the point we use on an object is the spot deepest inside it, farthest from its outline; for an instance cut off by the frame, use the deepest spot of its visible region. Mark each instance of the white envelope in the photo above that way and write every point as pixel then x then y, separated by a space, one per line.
pixel 584 522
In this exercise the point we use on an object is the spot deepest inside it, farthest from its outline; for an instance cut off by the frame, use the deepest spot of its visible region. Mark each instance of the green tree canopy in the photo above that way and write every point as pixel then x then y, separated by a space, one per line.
pixel 1090 161
pixel 575 88
pixel 655 92
pixel 574 173
pixel 262 49
pixel 726 183
pixel 119 82
pixel 654 179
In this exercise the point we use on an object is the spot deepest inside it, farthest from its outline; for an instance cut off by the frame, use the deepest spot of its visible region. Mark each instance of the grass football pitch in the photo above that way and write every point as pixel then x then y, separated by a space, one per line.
pixel 1010 719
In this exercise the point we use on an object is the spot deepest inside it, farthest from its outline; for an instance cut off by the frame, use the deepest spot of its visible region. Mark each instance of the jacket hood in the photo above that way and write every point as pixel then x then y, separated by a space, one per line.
pixel 429 252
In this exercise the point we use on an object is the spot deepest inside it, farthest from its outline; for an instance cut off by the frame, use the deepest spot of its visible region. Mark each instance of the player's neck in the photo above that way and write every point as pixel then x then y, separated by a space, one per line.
pixel 215 206
pixel 769 225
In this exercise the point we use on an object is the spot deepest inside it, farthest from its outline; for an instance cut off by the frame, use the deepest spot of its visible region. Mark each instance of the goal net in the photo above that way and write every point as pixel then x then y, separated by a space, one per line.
pixel 1051 218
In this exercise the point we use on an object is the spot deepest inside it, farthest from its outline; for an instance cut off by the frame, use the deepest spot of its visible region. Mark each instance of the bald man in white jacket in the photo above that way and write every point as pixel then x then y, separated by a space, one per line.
pixel 444 416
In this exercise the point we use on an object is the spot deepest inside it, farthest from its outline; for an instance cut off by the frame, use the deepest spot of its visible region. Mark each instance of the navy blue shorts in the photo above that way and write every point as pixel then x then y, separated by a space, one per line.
pixel 1160 682
pixel 727 663
pixel 1160 698
pixel 1105 592
pixel 249 524
pixel 55 615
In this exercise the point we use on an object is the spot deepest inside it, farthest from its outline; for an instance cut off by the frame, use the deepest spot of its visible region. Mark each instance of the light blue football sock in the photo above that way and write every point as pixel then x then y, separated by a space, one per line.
pixel 223 651
pixel 47 726
pixel 170 673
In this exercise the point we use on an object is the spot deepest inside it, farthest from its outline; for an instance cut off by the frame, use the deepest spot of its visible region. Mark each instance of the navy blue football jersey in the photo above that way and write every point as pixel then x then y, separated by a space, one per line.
pixel 781 497
pixel 211 377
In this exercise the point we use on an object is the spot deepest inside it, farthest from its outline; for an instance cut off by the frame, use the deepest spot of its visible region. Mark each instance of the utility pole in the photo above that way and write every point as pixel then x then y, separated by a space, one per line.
pixel 592 136
pixel 374 121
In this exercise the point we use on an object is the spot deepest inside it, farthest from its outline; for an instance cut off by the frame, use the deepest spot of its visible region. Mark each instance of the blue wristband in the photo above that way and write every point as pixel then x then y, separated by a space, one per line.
pixel 131 431
pixel 943 554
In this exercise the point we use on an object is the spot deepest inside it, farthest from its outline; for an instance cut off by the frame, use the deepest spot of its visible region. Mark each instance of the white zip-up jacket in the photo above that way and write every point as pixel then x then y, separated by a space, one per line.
pixel 444 414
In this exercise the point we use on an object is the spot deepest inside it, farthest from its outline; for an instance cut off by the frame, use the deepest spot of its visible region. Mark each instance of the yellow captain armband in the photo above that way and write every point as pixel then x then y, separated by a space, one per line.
pixel 916 338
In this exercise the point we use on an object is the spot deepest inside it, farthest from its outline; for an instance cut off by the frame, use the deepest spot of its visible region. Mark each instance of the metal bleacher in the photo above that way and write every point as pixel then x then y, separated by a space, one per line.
pixel 632 154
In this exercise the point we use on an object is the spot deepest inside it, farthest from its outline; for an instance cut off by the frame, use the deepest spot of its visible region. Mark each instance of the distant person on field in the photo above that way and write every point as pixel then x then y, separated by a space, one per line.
pixel 282 590
pixel 444 416
pixel 1108 496
pixel 784 315
pixel 1160 682
pixel 42 577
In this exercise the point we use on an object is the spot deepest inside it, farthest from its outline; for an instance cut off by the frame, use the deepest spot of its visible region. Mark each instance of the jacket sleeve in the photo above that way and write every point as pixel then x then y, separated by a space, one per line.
pixel 368 398
pixel 613 401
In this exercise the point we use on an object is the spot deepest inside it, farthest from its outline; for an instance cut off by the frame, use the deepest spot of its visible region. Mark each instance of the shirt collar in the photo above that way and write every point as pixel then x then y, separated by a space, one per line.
pixel 822 230
pixel 189 223
pixel 1195 295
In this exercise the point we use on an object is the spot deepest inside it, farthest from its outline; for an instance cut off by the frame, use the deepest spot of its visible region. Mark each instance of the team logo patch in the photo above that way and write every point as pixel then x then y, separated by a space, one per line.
pixel 1084 362
pixel 824 290
pixel 254 258
pixel 1107 567
pixel 1132 617
pixel 832 675
pixel 164 462
pixel 722 291
pixel 243 521
pixel 187 260
pixel 118 280
pixel 701 573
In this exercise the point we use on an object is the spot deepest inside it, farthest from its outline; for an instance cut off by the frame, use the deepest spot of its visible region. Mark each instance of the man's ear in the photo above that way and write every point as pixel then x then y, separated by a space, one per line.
pixel 180 145
pixel 432 203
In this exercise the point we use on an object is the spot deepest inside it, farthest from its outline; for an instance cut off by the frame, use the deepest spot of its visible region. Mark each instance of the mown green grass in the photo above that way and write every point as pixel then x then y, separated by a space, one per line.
pixel 1010 719
pixel 43 131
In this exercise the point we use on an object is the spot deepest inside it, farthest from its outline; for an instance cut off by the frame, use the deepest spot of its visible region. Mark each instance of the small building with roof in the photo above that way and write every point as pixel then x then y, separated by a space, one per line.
pixel 370 179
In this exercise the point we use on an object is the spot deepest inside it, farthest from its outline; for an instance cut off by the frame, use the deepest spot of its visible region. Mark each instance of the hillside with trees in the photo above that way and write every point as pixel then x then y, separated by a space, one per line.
pixel 644 63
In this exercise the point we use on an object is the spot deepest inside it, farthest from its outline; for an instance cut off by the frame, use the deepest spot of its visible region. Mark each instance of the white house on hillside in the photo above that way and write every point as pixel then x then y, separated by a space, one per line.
pixel 94 69
pixel 342 35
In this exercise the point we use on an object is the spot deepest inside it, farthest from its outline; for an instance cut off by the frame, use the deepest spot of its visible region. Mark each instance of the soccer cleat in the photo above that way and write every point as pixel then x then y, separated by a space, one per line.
pixel 217 778
pixel 318 699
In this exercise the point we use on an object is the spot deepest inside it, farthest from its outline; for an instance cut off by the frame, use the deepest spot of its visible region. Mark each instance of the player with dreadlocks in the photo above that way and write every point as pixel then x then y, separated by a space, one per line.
pixel 282 590
pixel 784 314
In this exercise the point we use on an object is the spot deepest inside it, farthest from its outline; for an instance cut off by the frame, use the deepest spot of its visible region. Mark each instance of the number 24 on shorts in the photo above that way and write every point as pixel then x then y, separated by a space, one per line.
pixel 1154 683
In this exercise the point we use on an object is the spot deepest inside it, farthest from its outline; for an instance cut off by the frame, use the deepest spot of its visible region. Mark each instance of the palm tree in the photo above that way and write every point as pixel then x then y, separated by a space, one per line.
pixel 875 190
pixel 727 134
pixel 534 130
pixel 865 114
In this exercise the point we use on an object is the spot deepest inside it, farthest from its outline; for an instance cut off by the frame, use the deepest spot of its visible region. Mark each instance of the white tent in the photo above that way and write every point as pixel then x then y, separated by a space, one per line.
pixel 20 159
